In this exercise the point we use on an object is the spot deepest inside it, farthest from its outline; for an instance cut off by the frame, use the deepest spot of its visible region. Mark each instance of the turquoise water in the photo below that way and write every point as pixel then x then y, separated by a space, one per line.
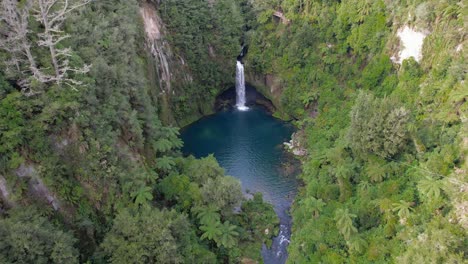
pixel 248 145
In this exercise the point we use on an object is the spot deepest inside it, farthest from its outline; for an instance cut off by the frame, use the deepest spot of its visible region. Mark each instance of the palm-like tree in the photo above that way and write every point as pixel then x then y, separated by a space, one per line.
pixel 344 171
pixel 150 177
pixel 163 145
pixel 364 185
pixel 315 205
pixel 165 163
pixel 403 208
pixel 223 234
pixel 375 171
pixel 173 135
pixel 384 204
pixel 228 235
pixel 430 187
pixel 357 244
pixel 310 97
pixel 344 222
pixel 211 231
pixel 335 155
pixel 143 195
pixel 208 215
pixel 412 128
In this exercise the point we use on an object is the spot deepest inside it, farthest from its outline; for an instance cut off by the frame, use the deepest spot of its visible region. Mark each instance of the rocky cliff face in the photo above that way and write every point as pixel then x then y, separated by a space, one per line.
pixel 166 70
pixel 4 192
pixel 192 48
pixel 269 85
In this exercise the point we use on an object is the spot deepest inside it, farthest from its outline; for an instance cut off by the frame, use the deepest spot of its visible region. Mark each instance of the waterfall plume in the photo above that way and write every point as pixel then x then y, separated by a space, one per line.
pixel 240 87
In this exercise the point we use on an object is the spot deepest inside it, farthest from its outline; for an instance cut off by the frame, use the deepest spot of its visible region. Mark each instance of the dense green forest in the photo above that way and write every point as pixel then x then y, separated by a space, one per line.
pixel 91 169
pixel 385 177
pixel 88 172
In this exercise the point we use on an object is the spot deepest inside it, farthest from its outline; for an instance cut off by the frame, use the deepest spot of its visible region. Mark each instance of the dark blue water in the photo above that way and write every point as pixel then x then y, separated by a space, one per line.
pixel 248 145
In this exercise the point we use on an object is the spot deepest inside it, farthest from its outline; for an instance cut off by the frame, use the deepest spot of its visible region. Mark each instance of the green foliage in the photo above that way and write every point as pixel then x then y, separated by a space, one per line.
pixel 440 243
pixel 206 35
pixel 142 196
pixel 211 230
pixel 228 235
pixel 149 235
pixel 11 123
pixel 378 126
pixel 357 244
pixel 430 188
pixel 204 169
pixel 344 222
pixel 208 215
pixel 378 76
pixel 376 132
pixel 403 209
pixel 165 163
pixel 223 234
pixel 386 142
pixel 375 169
pixel 179 188
pixel 314 205
pixel 259 219
pixel 28 237
pixel 101 148
pixel 222 192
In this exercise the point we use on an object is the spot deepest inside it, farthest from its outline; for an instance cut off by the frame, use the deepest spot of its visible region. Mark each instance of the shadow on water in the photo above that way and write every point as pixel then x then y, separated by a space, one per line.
pixel 247 144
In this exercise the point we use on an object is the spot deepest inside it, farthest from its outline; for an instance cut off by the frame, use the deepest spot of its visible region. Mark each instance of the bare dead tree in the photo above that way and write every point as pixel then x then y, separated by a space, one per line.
pixel 52 14
pixel 14 31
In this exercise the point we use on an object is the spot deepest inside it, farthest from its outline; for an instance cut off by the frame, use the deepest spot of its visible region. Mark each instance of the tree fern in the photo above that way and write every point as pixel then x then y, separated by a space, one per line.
pixel 143 195
pixel 344 222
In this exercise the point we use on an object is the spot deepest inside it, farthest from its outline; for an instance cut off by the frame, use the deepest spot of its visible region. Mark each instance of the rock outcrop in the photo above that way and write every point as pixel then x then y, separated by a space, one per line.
pixel 36 186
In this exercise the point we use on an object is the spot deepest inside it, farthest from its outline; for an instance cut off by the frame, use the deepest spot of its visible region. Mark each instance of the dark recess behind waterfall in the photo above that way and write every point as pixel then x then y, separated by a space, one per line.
pixel 227 99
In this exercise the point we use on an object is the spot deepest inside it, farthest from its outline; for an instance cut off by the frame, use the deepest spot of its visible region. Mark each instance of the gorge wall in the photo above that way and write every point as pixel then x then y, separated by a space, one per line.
pixel 192 60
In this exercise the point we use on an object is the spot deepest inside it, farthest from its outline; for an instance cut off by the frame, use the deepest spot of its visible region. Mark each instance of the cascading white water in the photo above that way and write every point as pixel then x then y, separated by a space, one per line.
pixel 240 87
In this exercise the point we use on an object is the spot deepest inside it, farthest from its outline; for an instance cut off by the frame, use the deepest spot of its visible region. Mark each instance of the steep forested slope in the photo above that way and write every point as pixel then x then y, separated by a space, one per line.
pixel 385 179
pixel 204 39
pixel 88 172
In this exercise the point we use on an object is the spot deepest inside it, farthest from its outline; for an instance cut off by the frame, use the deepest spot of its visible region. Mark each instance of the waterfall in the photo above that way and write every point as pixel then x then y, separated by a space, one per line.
pixel 240 87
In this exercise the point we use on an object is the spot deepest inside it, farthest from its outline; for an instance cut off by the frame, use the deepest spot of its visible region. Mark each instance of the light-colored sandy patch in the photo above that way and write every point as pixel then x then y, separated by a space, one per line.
pixel 3 188
pixel 150 19
pixel 411 44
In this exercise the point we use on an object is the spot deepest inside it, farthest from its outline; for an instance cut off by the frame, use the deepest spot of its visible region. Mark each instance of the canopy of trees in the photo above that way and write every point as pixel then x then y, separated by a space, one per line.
pixel 387 162
pixel 91 168
pixel 79 114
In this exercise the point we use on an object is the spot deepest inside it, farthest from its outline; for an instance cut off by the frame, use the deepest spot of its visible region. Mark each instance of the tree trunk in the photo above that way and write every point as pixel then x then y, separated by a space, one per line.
pixel 50 41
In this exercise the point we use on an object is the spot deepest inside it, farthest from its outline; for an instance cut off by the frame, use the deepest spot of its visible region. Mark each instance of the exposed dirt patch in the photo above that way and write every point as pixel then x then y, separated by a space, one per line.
pixel 151 21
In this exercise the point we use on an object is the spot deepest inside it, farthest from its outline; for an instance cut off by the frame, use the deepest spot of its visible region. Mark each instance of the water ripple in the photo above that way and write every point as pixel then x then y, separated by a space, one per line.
pixel 245 144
